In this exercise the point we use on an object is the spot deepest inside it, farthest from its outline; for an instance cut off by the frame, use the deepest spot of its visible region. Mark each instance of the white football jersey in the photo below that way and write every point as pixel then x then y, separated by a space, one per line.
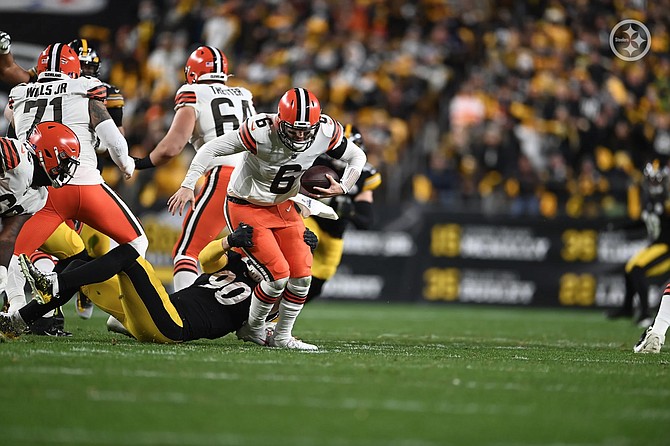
pixel 219 109
pixel 271 172
pixel 16 174
pixel 63 100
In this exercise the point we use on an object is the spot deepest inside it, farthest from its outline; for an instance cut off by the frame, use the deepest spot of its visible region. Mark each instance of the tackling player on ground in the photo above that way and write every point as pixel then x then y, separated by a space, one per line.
pixel 216 304
pixel 277 149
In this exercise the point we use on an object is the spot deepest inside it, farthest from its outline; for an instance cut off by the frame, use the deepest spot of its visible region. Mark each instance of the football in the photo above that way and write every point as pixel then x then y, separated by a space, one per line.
pixel 315 176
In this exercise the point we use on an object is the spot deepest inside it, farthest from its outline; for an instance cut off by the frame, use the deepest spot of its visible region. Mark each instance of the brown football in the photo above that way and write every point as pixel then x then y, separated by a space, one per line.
pixel 315 176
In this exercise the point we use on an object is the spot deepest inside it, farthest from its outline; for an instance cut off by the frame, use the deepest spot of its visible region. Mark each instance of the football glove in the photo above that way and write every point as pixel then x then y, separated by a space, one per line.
pixel 5 43
pixel 241 237
pixel 311 239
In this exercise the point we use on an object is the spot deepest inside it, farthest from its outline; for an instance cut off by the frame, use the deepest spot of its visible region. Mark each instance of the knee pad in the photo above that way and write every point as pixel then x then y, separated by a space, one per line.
pixel 299 285
pixel 274 288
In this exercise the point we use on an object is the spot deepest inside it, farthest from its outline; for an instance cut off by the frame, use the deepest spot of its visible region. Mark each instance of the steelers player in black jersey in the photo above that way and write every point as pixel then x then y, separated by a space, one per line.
pixel 355 208
pixel 124 284
pixel 654 259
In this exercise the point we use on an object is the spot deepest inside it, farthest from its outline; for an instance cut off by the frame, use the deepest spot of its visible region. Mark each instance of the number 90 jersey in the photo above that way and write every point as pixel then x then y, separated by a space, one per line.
pixel 219 109
pixel 270 173
pixel 63 100
pixel 16 174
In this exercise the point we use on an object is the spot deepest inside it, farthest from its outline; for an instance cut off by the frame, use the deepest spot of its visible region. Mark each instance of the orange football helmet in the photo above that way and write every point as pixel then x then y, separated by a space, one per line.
pixel 299 114
pixel 206 63
pixel 59 58
pixel 57 148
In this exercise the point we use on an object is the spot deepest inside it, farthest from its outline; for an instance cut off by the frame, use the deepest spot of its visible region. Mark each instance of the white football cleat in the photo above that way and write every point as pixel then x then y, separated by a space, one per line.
pixel 650 342
pixel 115 326
pixel 247 334
pixel 291 343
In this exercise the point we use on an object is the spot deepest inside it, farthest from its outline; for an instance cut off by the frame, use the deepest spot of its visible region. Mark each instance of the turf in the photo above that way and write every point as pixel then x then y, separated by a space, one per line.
pixel 396 374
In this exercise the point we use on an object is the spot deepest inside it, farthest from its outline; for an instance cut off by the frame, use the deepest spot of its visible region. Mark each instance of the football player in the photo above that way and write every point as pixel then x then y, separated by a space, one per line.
pixel 60 94
pixel 354 207
pixel 205 107
pixel 277 149
pixel 653 260
pixel 216 304
pixel 48 158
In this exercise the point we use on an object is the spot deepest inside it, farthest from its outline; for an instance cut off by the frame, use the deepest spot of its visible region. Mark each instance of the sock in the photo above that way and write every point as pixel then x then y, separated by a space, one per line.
pixel 293 299
pixel 185 272
pixel 262 300
pixel 662 321
pixel 288 313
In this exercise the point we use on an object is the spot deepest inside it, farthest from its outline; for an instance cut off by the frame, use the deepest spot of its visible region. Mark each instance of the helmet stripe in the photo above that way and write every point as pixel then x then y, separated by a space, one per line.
pixel 84 47
pixel 216 58
pixel 302 105
pixel 54 57
pixel 298 105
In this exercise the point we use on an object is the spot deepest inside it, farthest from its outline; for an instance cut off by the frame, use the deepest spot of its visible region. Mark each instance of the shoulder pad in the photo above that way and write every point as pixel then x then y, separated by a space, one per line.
pixel 256 129
pixel 185 96
pixel 9 154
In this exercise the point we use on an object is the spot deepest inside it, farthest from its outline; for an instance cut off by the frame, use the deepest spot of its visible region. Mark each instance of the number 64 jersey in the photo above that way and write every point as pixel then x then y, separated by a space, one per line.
pixel 17 197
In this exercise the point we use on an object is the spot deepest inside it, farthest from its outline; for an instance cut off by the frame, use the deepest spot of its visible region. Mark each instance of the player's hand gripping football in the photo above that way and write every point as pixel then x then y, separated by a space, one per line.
pixel 334 189
pixel 180 199
pixel 5 43
pixel 241 237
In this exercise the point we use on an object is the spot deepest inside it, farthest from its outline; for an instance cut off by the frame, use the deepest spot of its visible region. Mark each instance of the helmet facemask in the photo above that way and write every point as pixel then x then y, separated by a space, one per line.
pixel 299 136
pixel 61 173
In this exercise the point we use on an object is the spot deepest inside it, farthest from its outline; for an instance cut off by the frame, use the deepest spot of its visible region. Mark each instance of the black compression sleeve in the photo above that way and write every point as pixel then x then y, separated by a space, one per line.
pixel 362 216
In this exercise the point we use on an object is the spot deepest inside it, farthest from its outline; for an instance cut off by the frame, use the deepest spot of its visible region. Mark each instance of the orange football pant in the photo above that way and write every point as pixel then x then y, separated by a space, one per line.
pixel 96 205
pixel 278 241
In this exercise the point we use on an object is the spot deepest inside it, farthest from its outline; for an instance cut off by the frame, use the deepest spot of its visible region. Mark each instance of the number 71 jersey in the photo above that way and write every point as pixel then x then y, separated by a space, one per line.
pixel 66 101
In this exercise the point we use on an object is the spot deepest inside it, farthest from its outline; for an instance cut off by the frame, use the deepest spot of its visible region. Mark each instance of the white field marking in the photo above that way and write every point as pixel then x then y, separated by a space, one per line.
pixel 156 374
pixel 29 435
pixel 43 370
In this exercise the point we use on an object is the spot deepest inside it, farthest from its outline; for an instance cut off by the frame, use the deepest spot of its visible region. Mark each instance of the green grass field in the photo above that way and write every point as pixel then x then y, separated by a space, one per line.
pixel 399 375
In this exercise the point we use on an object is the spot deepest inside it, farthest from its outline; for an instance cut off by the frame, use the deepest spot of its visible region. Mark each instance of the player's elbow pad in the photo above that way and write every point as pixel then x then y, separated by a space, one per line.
pixel 363 216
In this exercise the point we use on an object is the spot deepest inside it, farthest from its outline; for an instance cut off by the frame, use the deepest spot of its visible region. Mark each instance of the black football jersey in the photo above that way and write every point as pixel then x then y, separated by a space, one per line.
pixel 216 304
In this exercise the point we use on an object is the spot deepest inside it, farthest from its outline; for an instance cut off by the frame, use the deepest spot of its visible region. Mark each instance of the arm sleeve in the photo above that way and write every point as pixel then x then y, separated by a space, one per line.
pixel 113 140
pixel 212 258
pixel 223 145
pixel 355 159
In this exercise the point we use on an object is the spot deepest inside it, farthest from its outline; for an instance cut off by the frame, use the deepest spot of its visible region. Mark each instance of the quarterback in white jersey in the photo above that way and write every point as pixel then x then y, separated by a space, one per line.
pixel 205 109
pixel 277 149
pixel 61 95
pixel 49 158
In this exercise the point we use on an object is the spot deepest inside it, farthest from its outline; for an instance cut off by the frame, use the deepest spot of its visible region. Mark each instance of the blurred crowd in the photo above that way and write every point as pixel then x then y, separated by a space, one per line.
pixel 516 107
